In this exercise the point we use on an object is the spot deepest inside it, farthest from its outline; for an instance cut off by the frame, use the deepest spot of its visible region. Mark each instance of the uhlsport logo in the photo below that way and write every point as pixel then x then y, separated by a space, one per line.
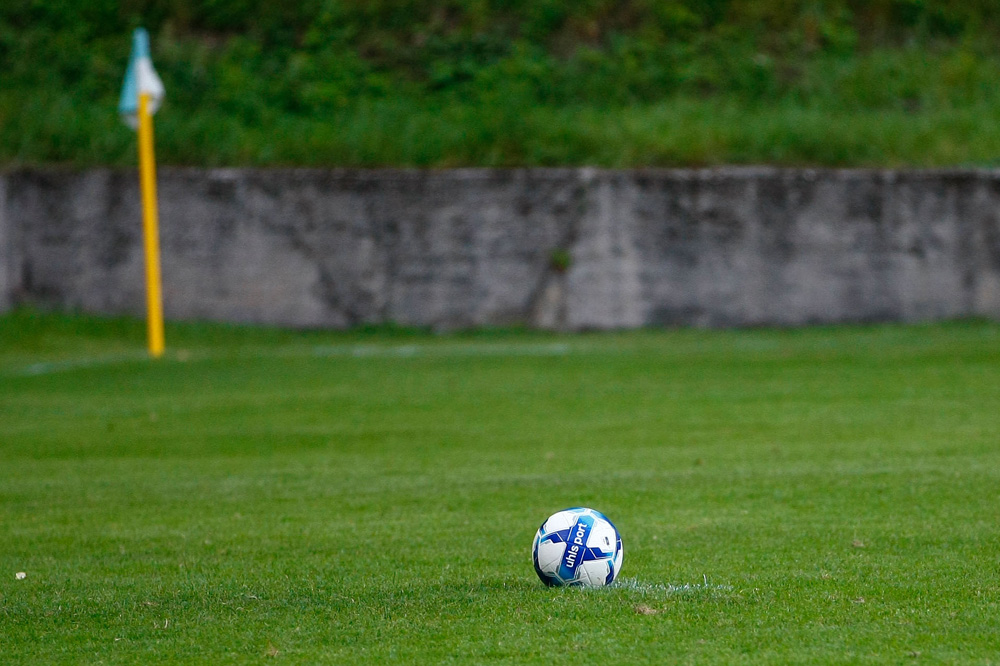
pixel 576 546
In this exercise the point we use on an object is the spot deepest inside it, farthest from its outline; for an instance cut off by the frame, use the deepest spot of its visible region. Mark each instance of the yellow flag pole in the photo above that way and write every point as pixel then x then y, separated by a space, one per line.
pixel 150 228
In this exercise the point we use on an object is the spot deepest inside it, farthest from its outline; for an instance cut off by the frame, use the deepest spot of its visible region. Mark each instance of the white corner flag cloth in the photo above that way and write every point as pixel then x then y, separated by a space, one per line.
pixel 140 77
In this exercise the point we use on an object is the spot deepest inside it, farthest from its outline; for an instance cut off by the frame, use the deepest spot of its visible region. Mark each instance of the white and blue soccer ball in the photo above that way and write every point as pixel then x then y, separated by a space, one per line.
pixel 577 547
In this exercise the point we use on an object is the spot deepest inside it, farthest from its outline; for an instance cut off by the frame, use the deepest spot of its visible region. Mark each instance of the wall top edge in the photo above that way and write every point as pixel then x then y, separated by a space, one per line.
pixel 583 174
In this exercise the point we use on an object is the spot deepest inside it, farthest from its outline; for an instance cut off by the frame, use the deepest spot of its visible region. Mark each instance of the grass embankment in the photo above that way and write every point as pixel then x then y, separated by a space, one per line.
pixel 421 83
pixel 824 495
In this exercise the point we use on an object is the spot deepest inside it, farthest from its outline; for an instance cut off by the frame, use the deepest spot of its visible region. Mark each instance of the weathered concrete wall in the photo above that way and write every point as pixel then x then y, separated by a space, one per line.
pixel 7 245
pixel 464 248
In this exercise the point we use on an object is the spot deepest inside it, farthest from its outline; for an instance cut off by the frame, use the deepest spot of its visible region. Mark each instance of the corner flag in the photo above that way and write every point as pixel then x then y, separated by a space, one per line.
pixel 142 94
pixel 140 77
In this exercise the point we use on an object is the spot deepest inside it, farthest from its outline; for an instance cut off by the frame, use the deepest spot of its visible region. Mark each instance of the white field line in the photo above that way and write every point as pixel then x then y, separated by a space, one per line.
pixel 669 588
pixel 53 367
pixel 445 350
pixel 360 351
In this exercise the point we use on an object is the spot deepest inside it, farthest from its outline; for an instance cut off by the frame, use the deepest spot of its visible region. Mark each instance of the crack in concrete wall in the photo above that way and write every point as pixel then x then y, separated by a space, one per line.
pixel 476 247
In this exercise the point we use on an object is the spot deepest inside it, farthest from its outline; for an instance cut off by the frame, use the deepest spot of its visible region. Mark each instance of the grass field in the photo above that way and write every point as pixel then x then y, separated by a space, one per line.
pixel 826 495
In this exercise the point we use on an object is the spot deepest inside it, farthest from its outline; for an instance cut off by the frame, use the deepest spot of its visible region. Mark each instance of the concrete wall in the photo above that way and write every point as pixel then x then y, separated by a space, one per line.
pixel 464 248
pixel 7 245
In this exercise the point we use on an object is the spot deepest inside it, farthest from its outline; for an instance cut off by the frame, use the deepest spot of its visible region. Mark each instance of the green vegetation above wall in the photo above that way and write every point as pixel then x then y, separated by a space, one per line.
pixel 521 82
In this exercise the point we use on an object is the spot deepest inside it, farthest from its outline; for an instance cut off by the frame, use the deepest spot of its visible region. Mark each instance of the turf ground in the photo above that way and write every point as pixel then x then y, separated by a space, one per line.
pixel 825 495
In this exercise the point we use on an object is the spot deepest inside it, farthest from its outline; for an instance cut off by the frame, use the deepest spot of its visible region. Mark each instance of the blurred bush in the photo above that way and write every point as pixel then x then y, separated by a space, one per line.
pixel 240 74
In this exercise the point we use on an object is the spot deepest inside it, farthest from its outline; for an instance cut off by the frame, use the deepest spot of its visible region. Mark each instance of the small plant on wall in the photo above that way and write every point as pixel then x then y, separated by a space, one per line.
pixel 560 260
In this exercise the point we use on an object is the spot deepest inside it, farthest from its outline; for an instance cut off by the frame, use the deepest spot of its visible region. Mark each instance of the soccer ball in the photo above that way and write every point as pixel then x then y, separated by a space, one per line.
pixel 577 547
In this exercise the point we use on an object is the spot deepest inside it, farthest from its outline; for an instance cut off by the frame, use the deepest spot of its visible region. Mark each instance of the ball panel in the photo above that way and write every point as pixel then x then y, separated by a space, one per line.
pixel 594 573
pixel 563 520
pixel 549 556
pixel 603 537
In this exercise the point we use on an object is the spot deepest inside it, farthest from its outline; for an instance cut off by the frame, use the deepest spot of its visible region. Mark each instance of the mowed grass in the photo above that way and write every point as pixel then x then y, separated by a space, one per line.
pixel 825 495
